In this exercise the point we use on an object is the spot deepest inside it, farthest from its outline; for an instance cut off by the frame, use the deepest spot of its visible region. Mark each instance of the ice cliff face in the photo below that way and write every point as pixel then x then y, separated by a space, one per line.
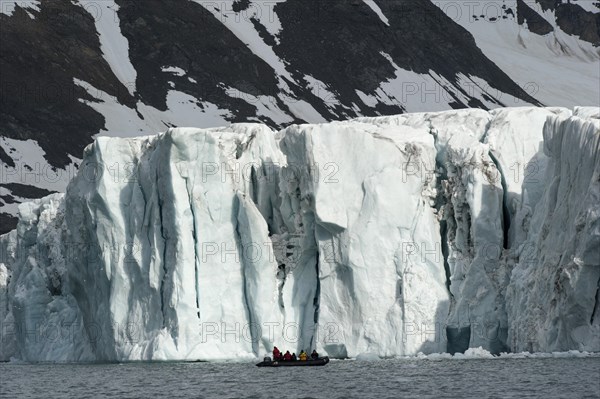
pixel 553 299
pixel 40 318
pixel 394 235
pixel 169 236
pixel 348 192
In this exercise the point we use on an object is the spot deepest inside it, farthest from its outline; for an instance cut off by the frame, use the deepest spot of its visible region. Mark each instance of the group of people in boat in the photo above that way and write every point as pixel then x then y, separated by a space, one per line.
pixel 291 357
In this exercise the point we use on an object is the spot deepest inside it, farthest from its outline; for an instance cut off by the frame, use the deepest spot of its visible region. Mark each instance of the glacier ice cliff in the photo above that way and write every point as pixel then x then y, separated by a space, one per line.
pixel 426 232
pixel 553 297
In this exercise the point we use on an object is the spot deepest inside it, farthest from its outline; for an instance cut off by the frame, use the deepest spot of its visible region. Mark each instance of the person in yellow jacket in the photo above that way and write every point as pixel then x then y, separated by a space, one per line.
pixel 303 356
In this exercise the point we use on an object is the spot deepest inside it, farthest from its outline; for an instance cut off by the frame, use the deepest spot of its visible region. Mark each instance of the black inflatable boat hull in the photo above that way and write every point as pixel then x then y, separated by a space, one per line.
pixel 322 361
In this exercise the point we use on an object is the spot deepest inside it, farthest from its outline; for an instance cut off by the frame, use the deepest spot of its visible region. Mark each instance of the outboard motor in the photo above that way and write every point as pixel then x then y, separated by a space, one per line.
pixel 267 359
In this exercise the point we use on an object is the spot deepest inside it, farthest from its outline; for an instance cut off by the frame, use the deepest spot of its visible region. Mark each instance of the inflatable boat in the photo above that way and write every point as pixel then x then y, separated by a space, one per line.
pixel 267 362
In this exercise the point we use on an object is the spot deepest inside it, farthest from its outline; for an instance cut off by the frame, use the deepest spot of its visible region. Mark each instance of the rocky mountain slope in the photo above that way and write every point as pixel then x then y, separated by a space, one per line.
pixel 73 70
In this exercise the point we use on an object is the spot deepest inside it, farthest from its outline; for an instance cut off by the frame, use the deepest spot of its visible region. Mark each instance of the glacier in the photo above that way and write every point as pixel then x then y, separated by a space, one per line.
pixel 382 236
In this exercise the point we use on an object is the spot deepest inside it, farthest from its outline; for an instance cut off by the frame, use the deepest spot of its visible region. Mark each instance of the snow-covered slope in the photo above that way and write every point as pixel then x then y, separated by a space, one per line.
pixel 535 44
pixel 131 68
pixel 386 236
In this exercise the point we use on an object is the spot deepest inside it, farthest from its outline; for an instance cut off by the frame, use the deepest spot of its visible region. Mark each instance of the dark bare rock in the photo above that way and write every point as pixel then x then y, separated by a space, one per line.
pixel 535 22
pixel 39 59
pixel 574 20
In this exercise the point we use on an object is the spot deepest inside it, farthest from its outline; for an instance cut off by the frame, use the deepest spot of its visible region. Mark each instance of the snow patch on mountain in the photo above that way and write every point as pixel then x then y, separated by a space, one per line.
pixel 29 173
pixel 377 10
pixel 30 167
pixel 182 108
pixel 416 91
pixel 321 90
pixel 113 44
pixel 303 110
pixel 588 5
pixel 264 13
pixel 8 7
pixel 368 100
pixel 241 25
pixel 174 70
pixel 266 106
pixel 525 55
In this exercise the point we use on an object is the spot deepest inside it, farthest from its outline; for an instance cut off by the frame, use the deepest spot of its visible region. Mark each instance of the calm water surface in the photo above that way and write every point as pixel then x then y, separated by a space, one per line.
pixel 401 378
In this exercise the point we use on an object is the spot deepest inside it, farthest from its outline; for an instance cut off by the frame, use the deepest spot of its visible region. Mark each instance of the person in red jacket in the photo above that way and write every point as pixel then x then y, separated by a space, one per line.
pixel 287 356
pixel 276 353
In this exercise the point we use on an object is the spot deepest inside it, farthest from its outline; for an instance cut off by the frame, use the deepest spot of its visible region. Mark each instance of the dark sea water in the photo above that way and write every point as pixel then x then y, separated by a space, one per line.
pixel 399 378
